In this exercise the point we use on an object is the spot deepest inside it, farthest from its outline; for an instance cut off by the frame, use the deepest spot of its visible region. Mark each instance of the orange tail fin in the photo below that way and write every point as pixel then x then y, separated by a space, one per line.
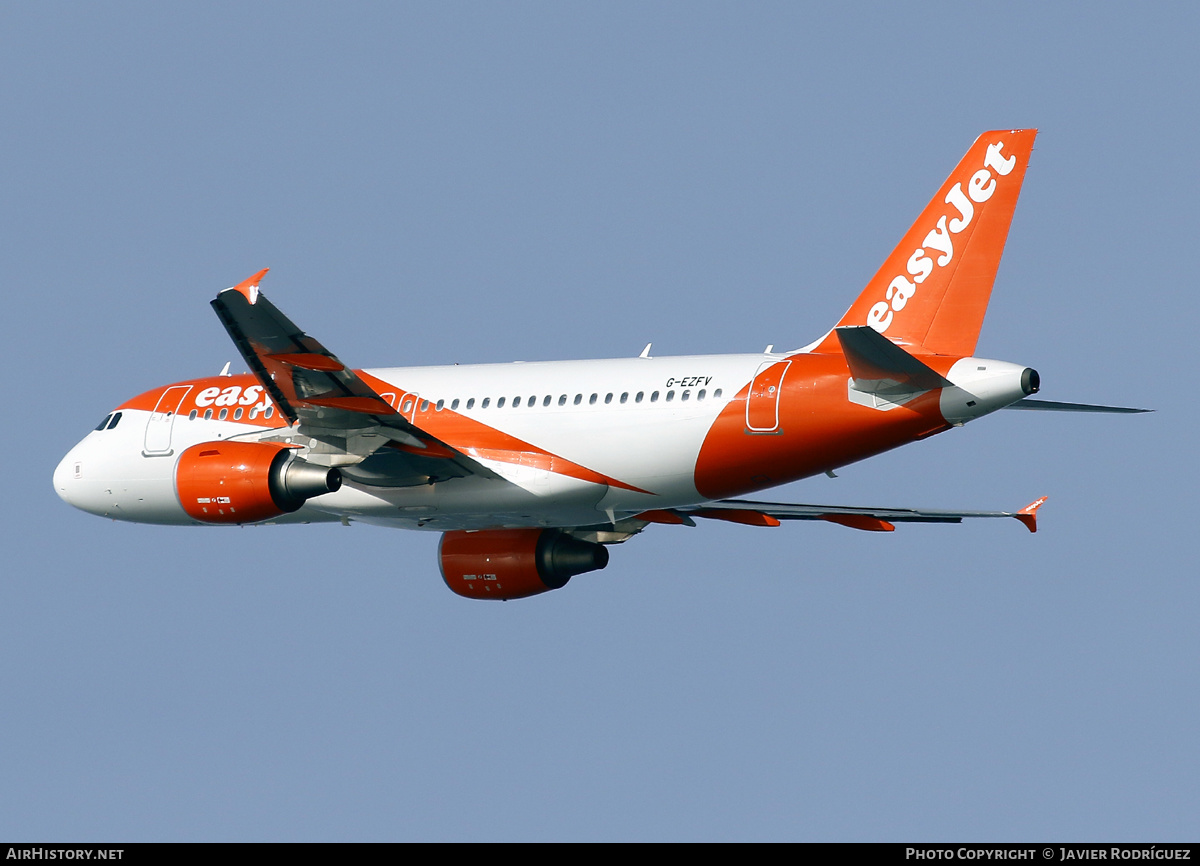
pixel 932 291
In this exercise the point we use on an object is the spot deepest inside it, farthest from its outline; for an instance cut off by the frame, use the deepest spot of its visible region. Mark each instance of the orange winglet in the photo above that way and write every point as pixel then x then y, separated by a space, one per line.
pixel 249 287
pixel 738 515
pixel 659 515
pixel 312 361
pixel 860 521
pixel 1028 514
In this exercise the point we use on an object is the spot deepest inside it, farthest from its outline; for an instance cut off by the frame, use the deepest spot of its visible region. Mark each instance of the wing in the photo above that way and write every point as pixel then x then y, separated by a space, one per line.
pixel 754 513
pixel 347 422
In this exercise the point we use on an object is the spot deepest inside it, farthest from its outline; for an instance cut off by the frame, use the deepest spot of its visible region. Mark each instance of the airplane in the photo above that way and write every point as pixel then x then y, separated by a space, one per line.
pixel 531 471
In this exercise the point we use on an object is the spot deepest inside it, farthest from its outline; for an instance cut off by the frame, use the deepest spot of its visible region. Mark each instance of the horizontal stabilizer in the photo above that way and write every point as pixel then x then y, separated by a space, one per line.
pixel 879 366
pixel 1052 406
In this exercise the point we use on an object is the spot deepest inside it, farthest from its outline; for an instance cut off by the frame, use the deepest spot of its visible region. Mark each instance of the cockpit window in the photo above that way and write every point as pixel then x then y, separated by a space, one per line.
pixel 115 418
pixel 104 423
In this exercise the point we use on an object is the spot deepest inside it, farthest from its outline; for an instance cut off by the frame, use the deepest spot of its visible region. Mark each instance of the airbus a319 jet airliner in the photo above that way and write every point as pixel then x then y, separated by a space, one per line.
pixel 530 470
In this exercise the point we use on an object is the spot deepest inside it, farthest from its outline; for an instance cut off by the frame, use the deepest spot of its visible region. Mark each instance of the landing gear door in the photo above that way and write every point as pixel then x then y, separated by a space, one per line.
pixel 162 419
pixel 762 404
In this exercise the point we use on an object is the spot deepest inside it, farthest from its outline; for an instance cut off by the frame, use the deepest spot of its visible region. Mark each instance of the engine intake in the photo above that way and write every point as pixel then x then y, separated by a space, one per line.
pixel 245 482
pixel 515 563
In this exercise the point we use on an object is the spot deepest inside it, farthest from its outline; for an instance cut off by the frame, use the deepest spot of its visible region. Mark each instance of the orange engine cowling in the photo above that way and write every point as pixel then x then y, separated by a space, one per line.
pixel 244 482
pixel 515 563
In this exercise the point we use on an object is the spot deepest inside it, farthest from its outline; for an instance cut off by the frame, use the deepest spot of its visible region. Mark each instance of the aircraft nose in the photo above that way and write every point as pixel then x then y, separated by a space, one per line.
pixel 67 471
pixel 77 479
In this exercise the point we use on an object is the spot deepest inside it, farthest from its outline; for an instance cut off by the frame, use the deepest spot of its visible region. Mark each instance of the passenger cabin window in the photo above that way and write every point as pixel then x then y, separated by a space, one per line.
pixel 224 413
pixel 208 414
pixel 408 404
pixel 700 394
pixel 562 401
pixel 486 401
pixel 654 397
pixel 270 412
pixel 454 404
pixel 685 395
pixel 546 400
pixel 638 398
pixel 670 396
pixel 237 414
pixel 578 399
pixel 500 403
pixel 607 398
pixel 516 402
pixel 192 415
pixel 592 400
pixel 424 405
pixel 717 394
pixel 625 397
pixel 441 404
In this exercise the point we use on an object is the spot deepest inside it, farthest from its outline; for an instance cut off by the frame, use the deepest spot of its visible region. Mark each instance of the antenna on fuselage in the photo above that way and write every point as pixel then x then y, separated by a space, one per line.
pixel 646 351
pixel 225 369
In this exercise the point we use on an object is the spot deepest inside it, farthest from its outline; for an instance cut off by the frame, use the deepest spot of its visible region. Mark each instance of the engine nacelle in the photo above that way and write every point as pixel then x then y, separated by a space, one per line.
pixel 245 482
pixel 515 563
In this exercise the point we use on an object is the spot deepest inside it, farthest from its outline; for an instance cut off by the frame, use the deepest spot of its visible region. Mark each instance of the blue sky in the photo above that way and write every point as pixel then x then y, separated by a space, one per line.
pixel 488 182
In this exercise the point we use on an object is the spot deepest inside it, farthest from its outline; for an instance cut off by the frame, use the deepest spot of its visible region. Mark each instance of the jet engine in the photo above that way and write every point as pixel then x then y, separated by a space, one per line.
pixel 245 482
pixel 515 563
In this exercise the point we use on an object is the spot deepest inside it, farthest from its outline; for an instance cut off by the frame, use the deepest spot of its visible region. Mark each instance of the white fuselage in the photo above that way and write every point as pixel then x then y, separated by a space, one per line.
pixel 604 439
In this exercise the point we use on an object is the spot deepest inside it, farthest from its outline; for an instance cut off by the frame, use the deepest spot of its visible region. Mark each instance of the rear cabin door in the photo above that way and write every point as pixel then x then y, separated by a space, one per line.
pixel 762 405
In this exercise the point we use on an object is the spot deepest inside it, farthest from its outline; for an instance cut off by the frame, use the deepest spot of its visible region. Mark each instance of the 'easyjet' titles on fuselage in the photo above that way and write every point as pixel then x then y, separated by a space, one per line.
pixel 231 396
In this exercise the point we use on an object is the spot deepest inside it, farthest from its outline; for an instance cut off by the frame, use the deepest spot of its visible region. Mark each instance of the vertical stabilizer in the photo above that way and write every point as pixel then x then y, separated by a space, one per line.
pixel 932 291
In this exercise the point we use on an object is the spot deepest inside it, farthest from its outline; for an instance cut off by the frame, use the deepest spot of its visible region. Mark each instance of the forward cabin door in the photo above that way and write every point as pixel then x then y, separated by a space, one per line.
pixel 162 419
